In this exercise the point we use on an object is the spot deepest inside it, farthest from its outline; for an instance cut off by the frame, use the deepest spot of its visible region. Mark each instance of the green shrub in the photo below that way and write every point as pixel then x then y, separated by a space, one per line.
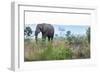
pixel 58 53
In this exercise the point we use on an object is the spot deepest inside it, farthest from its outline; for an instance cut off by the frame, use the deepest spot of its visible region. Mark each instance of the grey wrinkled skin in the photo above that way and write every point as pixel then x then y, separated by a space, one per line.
pixel 47 30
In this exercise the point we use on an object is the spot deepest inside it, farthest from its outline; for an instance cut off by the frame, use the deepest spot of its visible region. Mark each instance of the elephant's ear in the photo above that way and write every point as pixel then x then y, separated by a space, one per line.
pixel 37 29
pixel 45 27
pixel 40 27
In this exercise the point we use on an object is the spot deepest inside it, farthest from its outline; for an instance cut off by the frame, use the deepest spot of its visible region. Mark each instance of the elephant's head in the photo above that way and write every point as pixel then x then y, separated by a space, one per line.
pixel 38 30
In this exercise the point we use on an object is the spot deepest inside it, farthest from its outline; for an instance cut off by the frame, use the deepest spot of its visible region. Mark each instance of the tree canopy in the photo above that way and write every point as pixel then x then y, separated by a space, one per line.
pixel 27 31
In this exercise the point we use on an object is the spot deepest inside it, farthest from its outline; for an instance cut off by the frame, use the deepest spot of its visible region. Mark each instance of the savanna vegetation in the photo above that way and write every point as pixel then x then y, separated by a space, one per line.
pixel 69 47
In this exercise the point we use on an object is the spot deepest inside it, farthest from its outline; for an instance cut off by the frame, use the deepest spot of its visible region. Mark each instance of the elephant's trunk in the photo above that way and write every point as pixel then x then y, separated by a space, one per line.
pixel 36 39
pixel 36 35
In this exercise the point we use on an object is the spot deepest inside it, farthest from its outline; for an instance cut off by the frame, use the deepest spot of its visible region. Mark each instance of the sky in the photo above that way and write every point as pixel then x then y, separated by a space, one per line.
pixel 75 29
pixel 57 18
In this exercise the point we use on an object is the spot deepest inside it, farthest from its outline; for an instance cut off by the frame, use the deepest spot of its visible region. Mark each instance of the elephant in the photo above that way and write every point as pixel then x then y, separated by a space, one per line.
pixel 47 30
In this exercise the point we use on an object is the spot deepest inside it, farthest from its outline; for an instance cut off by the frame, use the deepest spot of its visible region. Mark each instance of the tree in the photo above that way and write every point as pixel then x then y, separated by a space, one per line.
pixel 69 38
pixel 27 31
pixel 68 33
pixel 56 35
pixel 88 34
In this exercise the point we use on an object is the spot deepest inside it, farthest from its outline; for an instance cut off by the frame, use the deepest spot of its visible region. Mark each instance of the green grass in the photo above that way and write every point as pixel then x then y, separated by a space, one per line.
pixel 52 53
pixel 57 50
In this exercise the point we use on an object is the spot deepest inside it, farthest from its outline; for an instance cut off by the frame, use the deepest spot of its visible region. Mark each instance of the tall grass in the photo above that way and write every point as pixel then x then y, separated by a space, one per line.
pixel 76 48
pixel 48 51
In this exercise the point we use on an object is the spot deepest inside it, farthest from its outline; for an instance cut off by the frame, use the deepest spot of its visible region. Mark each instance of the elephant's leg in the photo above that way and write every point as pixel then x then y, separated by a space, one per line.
pixel 43 38
pixel 51 39
pixel 43 41
pixel 48 38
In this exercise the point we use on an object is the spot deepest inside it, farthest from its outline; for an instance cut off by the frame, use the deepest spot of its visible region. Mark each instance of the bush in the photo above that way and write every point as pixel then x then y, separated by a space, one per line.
pixel 58 53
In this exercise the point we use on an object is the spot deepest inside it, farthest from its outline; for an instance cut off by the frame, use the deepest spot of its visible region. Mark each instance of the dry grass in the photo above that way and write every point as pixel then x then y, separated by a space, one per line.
pixel 57 50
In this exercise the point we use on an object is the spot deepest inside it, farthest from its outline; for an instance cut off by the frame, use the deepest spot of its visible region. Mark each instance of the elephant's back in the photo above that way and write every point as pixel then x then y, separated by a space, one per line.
pixel 49 29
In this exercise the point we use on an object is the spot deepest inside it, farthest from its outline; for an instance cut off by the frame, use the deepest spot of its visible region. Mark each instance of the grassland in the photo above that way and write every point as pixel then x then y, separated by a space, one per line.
pixel 59 49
